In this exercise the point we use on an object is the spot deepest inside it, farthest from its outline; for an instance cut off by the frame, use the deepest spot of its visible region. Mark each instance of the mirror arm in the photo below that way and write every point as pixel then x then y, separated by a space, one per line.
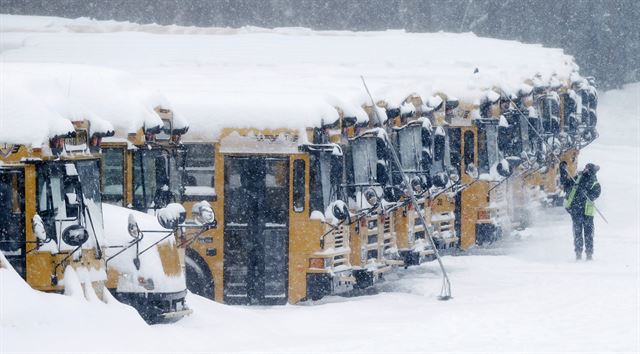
pixel 157 242
pixel 54 278
pixel 190 240
pixel 131 244
pixel 333 227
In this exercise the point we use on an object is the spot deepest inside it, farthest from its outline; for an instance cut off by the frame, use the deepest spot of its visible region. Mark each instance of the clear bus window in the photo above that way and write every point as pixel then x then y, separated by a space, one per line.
pixel 199 171
pixel 298 186
pixel 113 175
pixel 469 148
pixel 454 147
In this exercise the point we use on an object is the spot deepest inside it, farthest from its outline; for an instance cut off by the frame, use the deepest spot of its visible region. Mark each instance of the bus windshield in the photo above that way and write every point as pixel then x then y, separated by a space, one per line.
pixel 57 183
pixel 550 113
pixel 323 189
pixel 410 148
pixel 365 160
pixel 487 147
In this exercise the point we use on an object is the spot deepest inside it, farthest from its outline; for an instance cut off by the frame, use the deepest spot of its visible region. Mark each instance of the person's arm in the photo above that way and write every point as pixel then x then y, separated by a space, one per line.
pixel 565 180
pixel 594 192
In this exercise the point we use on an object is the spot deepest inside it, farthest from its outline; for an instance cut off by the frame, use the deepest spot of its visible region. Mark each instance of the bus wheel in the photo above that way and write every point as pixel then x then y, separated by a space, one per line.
pixel 199 278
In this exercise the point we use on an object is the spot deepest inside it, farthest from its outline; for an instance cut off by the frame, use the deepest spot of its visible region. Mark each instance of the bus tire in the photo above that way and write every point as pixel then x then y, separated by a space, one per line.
pixel 199 278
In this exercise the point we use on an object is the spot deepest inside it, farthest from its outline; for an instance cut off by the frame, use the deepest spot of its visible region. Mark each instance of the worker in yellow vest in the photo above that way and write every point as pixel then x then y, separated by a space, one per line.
pixel 581 192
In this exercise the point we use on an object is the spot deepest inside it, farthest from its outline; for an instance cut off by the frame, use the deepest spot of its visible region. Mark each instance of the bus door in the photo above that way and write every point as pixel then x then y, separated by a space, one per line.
pixel 256 230
pixel 12 218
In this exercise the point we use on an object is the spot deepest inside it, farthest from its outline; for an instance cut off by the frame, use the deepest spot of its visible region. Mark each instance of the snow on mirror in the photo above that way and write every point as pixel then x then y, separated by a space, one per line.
pixel 372 197
pixel 472 171
pixel 440 179
pixel 75 235
pixel 132 227
pixel 504 168
pixel 203 214
pixel 38 228
pixel 453 174
pixel 171 216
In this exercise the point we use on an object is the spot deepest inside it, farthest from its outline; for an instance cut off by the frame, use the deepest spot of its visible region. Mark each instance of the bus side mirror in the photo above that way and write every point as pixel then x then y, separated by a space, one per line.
pixel 472 171
pixel 171 216
pixel 440 179
pixel 132 227
pixel 38 229
pixel 392 194
pixel 453 174
pixel 203 214
pixel 75 235
pixel 504 168
pixel 340 210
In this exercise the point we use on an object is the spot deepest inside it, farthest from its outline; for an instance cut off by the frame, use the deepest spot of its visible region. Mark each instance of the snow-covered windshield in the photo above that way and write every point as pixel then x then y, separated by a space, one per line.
pixel 410 147
pixel 365 160
pixel 55 189
pixel 156 179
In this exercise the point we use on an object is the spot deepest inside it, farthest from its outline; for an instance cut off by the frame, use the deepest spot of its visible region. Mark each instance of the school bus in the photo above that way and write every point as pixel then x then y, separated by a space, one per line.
pixel 284 234
pixel 50 210
pixel 481 207
pixel 373 200
pixel 517 143
pixel 423 154
pixel 142 172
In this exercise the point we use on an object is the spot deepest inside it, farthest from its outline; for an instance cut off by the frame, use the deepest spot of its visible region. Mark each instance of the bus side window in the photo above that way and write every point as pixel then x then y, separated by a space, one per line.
pixel 113 175
pixel 469 148
pixel 454 147
pixel 298 185
pixel 199 172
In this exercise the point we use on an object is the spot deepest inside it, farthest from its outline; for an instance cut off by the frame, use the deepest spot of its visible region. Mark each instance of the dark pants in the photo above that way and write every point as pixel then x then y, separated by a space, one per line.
pixel 582 222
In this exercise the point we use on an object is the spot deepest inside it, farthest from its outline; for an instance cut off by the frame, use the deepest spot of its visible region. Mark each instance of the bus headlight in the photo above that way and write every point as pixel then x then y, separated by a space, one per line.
pixel 146 283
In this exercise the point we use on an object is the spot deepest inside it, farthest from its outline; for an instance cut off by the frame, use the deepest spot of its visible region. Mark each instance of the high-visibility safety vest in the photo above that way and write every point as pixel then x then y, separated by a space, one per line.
pixel 588 206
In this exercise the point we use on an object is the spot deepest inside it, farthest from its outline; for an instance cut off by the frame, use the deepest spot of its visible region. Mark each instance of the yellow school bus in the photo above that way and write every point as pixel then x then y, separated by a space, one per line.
pixel 481 206
pixel 50 210
pixel 424 155
pixel 142 172
pixel 283 234
pixel 374 202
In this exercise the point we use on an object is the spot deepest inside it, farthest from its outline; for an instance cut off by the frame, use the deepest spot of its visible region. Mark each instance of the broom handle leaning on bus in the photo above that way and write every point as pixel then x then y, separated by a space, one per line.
pixel 445 293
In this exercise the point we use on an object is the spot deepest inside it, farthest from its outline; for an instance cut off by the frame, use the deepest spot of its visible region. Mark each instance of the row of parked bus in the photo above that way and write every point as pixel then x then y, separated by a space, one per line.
pixel 281 215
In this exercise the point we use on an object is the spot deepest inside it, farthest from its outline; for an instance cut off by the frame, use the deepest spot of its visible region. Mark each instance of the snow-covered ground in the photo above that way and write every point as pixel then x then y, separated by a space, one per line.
pixel 527 296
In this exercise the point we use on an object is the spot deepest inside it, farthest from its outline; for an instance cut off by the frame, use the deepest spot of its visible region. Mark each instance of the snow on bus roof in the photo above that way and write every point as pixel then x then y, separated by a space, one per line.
pixel 40 100
pixel 283 77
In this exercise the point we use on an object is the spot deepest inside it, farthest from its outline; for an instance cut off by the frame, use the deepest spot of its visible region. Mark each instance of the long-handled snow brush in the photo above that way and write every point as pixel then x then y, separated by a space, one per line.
pixel 445 292
pixel 552 154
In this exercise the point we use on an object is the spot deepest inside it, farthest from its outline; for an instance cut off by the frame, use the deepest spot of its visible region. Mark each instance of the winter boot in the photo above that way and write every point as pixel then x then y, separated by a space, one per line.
pixel 589 257
pixel 578 256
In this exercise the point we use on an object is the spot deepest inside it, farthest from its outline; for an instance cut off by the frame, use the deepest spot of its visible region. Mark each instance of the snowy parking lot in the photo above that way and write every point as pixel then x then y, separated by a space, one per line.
pixel 526 294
